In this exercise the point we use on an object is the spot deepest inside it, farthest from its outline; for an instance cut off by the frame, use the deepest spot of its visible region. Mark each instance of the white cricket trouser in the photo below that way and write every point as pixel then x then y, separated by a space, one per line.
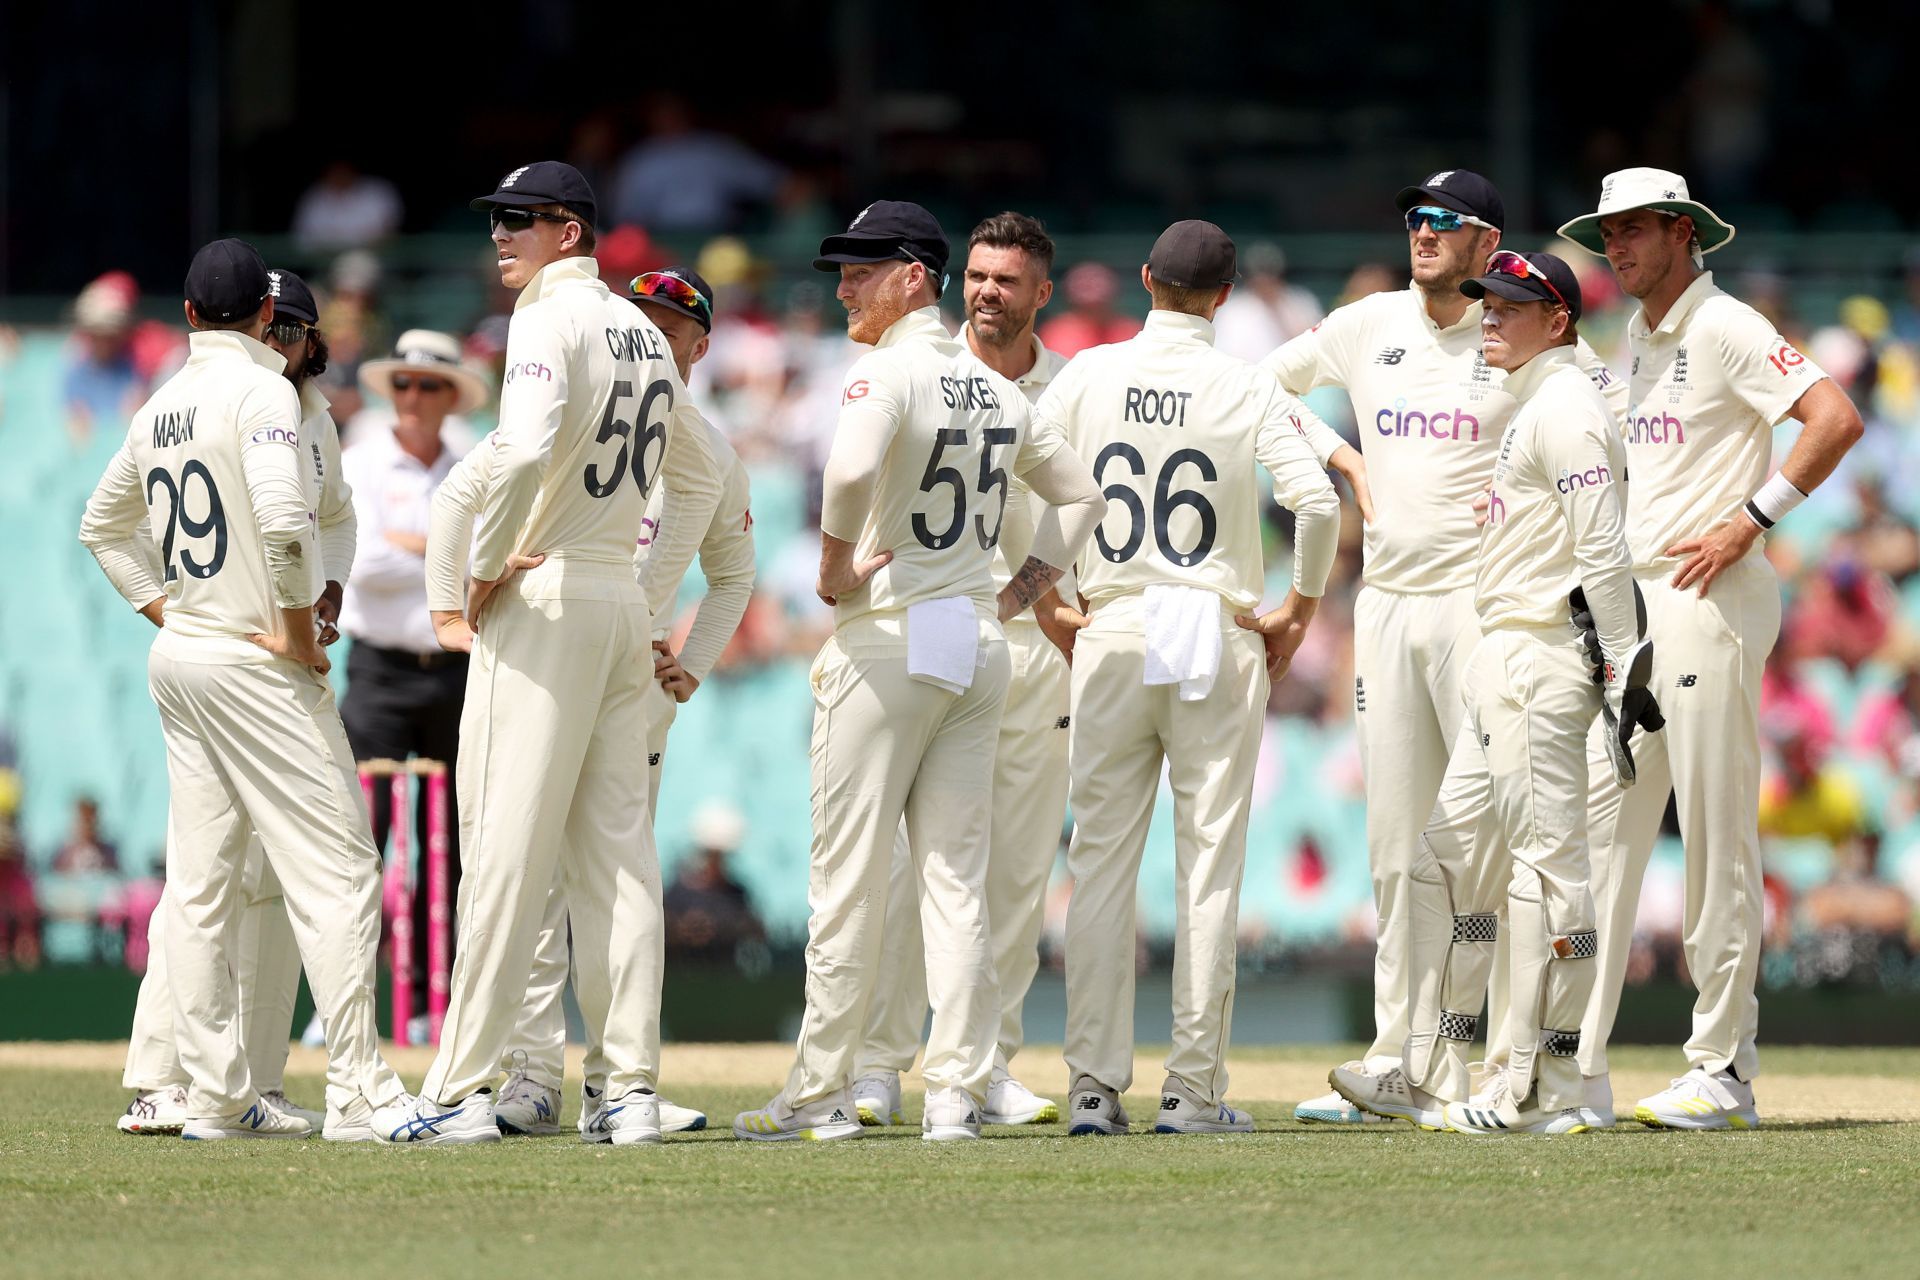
pixel 887 746
pixel 1707 660
pixel 259 748
pixel 541 1031
pixel 1029 808
pixel 551 782
pixel 1410 655
pixel 1122 732
pixel 1508 829
pixel 266 975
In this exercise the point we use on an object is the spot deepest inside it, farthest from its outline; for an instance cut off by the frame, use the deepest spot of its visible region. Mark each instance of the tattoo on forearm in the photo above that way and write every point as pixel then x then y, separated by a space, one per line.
pixel 1032 582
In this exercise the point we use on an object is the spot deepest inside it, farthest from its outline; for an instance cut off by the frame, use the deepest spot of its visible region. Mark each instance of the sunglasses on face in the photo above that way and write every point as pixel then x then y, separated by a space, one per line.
pixel 671 288
pixel 289 333
pixel 1508 263
pixel 1440 219
pixel 516 220
pixel 417 382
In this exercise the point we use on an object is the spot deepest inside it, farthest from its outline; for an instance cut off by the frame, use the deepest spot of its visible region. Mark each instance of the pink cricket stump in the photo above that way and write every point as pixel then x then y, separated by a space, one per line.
pixel 400 827
pixel 439 911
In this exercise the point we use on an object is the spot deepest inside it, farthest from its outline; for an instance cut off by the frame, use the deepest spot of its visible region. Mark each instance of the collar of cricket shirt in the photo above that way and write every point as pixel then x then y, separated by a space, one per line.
pixel 558 275
pixel 1521 383
pixel 225 344
pixel 311 401
pixel 916 326
pixel 1045 363
pixel 1469 319
pixel 1178 324
pixel 1677 314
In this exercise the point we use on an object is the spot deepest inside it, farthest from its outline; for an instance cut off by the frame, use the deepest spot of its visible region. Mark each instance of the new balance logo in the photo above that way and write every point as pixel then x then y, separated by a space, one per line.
pixel 1486 739
pixel 1391 355
pixel 1686 682
pixel 1169 1102
pixel 1063 722
pixel 653 759
pixel 1087 1102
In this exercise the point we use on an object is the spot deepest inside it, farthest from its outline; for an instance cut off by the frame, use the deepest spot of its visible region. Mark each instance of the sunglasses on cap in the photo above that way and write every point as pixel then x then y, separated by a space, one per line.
pixel 289 333
pixel 1506 262
pixel 516 220
pixel 671 288
pixel 1441 219
pixel 419 382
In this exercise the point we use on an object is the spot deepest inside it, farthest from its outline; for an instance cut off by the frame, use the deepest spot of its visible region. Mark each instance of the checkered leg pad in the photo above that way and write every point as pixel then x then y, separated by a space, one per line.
pixel 1561 1044
pixel 1458 1026
pixel 1476 928
pixel 1583 945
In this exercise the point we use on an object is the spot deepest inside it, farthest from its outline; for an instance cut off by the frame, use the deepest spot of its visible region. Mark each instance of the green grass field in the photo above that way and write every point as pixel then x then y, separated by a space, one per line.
pixel 1831 1187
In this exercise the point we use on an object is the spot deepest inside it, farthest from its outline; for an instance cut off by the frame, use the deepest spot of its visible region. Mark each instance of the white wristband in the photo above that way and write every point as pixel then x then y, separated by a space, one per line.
pixel 1776 497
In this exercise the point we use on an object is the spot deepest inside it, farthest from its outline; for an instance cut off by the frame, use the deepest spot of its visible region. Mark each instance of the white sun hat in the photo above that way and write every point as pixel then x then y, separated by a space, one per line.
pixel 1647 189
pixel 435 354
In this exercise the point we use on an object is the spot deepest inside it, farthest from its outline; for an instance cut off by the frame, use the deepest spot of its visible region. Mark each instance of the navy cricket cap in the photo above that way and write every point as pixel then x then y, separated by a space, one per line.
pixel 544 182
pixel 1193 255
pixel 1527 277
pixel 227 281
pixel 888 231
pixel 676 288
pixel 292 300
pixel 1461 190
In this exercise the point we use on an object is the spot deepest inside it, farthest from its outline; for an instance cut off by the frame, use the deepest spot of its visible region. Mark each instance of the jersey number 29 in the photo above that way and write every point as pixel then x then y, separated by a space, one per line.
pixel 213 524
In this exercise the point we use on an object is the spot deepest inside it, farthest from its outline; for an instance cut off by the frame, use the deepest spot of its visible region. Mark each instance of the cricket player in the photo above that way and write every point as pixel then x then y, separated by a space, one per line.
pixel 1710 379
pixel 680 302
pixel 593 413
pixel 1509 825
pixel 908 692
pixel 1431 412
pixel 216 465
pixel 267 968
pixel 1171 669
pixel 1005 284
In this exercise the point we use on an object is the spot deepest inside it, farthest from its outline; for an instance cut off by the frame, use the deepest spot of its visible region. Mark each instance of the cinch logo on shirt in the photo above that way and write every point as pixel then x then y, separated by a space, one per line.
pixel 529 368
pixel 1444 425
pixel 276 435
pixel 1496 509
pixel 1594 475
pixel 1659 428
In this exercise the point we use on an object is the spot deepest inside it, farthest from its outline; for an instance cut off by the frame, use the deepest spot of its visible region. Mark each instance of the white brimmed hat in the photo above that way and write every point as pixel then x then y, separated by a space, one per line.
pixel 1647 189
pixel 429 352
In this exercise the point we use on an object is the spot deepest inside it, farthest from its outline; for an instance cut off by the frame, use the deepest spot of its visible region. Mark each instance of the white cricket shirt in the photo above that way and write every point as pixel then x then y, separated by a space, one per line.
pixel 1172 428
pixel 1707 386
pixel 1556 518
pixel 592 414
pixel 723 539
pixel 1430 412
pixel 215 465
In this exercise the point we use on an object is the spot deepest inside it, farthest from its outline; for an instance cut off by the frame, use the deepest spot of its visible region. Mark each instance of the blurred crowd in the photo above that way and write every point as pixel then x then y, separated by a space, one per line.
pixel 1841 705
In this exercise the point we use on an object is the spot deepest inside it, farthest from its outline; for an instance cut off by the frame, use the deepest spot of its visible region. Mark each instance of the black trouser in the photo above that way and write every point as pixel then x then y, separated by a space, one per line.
pixel 402 703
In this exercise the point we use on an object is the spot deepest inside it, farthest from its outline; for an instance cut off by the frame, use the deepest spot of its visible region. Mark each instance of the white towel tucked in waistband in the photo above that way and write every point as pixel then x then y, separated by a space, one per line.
pixel 943 642
pixel 1183 639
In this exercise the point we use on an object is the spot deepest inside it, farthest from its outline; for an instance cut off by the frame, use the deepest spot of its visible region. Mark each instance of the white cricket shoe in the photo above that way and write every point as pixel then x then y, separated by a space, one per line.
pixel 632 1118
pixel 155 1111
pixel 1700 1100
pixel 1389 1094
pixel 527 1107
pixel 949 1116
pixel 426 1123
pixel 677 1119
pixel 827 1120
pixel 1492 1112
pixel 1094 1108
pixel 593 1106
pixel 257 1121
pixel 1182 1112
pixel 876 1098
pixel 361 1121
pixel 1010 1102
pixel 1331 1108
pixel 277 1099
